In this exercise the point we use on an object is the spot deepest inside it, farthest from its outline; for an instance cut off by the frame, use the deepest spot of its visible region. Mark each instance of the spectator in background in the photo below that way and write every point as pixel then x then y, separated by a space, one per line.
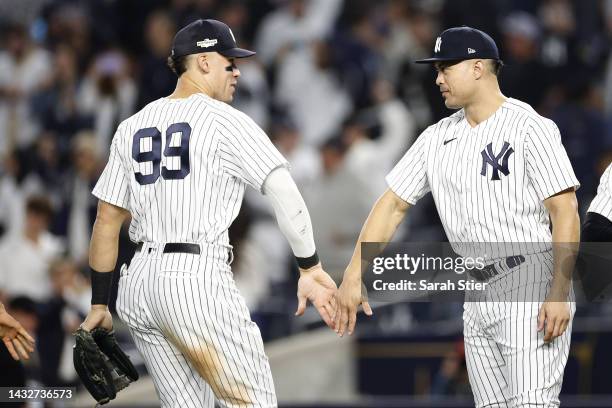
pixel 304 159
pixel 584 131
pixel 370 157
pixel 572 43
pixel 524 76
pixel 481 14
pixel 312 93
pixel 25 258
pixel 559 22
pixel 60 316
pixel 356 51
pixel 187 11
pixel 305 169
pixel 293 26
pixel 411 34
pixel 80 205
pixel 56 106
pixel 68 23
pixel 250 266
pixel 12 202
pixel 408 38
pixel 23 70
pixel 335 202
pixel 608 71
pixel 108 94
pixel 156 79
pixel 253 95
pixel 39 168
pixel 21 11
pixel 235 14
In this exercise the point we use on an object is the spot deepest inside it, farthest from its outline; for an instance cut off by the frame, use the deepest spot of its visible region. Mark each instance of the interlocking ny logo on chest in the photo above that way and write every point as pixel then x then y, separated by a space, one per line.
pixel 498 162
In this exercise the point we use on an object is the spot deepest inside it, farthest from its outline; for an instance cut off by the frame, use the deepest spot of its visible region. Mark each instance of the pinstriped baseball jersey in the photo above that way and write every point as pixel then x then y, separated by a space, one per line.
pixel 602 203
pixel 180 166
pixel 488 182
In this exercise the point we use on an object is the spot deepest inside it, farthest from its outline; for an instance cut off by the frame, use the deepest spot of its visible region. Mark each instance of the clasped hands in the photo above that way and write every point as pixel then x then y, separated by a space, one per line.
pixel 336 306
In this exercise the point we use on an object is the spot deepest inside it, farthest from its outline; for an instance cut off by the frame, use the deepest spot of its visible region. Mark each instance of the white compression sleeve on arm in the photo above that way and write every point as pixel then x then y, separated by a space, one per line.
pixel 291 212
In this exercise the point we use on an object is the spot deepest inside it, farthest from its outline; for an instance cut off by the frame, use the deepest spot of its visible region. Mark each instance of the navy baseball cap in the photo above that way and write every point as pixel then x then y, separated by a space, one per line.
pixel 207 36
pixel 463 43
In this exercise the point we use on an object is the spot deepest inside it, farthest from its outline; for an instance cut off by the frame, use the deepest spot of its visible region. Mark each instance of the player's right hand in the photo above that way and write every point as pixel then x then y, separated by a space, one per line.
pixel 98 316
pixel 17 340
pixel 350 295
pixel 318 287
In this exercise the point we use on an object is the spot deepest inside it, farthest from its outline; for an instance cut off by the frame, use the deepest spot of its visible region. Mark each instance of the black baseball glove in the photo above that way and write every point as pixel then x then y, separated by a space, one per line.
pixel 102 366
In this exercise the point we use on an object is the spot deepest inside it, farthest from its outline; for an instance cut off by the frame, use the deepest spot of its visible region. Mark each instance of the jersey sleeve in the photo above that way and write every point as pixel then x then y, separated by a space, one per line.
pixel 602 203
pixel 113 184
pixel 408 179
pixel 548 166
pixel 246 151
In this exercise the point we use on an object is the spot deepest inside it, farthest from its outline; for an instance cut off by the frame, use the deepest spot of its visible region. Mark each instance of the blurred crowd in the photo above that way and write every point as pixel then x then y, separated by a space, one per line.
pixel 332 83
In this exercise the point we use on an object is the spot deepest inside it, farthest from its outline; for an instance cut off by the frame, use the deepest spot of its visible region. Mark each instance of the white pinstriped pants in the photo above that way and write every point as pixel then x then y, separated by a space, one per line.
pixel 508 363
pixel 193 329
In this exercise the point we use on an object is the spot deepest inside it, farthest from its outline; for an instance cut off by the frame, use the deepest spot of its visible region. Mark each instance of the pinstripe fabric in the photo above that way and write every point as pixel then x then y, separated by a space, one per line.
pixel 508 363
pixel 227 152
pixel 193 327
pixel 602 203
pixel 472 207
pixel 181 168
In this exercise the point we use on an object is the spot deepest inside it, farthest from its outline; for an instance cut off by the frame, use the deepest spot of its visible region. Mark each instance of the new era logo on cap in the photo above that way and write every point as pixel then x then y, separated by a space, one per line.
pixel 462 43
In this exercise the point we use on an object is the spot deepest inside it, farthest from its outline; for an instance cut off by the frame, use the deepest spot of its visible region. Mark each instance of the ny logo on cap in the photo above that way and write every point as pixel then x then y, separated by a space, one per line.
pixel 207 43
pixel 438 45
pixel 488 157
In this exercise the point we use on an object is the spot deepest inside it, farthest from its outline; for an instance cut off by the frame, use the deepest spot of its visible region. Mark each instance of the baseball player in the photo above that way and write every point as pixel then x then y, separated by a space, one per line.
pixel 498 172
pixel 598 222
pixel 594 270
pixel 179 168
pixel 16 339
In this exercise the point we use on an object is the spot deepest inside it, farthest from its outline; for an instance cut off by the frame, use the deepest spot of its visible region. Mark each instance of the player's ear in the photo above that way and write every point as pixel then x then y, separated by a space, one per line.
pixel 203 63
pixel 478 69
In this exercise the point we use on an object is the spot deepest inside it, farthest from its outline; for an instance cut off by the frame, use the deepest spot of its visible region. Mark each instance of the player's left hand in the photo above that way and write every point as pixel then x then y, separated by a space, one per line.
pixel 318 287
pixel 17 340
pixel 98 316
pixel 555 317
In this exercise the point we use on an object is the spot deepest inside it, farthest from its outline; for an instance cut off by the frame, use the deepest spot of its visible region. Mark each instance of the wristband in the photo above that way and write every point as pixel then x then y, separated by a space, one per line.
pixel 101 283
pixel 309 262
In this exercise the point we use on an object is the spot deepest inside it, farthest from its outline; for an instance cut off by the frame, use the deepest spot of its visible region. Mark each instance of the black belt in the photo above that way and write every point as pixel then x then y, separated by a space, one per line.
pixel 177 247
pixel 491 270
